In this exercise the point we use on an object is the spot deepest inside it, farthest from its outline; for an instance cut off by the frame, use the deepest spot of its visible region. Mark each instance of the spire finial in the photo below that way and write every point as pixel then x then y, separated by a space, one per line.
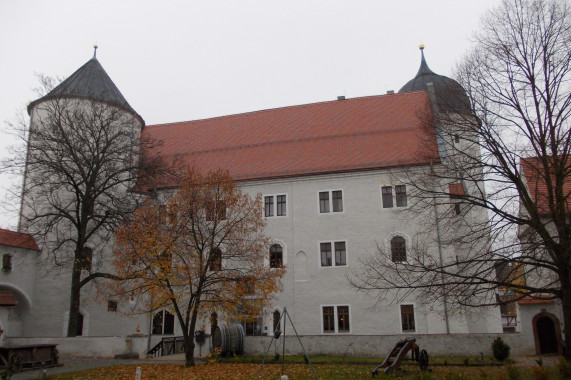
pixel 95 51
pixel 421 46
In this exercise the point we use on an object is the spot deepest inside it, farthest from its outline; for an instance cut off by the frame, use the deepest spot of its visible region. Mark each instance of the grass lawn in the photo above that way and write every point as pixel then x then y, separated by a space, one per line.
pixel 302 371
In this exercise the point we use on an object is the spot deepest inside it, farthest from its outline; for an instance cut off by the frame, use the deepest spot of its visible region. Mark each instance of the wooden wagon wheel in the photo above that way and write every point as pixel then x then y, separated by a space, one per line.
pixel 423 360
pixel 14 362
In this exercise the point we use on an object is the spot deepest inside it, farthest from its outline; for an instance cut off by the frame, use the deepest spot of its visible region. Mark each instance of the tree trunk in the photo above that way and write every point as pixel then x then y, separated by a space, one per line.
pixel 73 323
pixel 189 350
pixel 566 306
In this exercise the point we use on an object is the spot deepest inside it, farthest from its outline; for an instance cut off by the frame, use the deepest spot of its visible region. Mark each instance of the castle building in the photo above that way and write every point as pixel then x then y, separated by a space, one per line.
pixel 328 173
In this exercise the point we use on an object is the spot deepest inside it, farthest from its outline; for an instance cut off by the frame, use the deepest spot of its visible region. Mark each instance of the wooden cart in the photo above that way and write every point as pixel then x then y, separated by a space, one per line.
pixel 14 358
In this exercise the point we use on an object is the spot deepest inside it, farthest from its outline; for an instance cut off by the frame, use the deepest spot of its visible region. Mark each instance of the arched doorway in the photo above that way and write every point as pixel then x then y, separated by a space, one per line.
pixel 547 334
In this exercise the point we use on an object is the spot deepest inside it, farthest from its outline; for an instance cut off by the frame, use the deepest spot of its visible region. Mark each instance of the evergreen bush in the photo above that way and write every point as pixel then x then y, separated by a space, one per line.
pixel 500 349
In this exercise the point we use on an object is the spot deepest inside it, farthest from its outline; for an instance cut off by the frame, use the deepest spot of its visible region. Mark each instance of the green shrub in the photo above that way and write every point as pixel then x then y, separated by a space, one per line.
pixel 500 349
pixel 513 373
pixel 564 368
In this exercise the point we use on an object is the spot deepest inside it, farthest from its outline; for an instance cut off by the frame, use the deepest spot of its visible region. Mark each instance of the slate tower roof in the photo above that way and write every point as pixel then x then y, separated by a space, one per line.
pixel 90 81
pixel 450 95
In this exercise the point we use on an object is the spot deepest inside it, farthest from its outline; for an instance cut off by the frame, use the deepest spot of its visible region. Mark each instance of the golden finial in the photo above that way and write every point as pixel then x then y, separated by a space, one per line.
pixel 421 46
pixel 95 50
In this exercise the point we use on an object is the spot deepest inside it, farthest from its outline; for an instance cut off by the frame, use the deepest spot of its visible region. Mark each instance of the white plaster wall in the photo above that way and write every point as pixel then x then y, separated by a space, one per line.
pixel 525 315
pixel 362 225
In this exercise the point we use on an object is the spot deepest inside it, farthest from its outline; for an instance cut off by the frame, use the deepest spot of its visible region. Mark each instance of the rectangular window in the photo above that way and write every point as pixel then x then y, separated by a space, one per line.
pixel 387 196
pixel 456 139
pixel 325 249
pixel 7 263
pixel 275 205
pixel 400 191
pixel 407 317
pixel 340 256
pixel 281 203
pixel 328 319
pixel 269 206
pixel 337 200
pixel 330 200
pixel 457 209
pixel 324 201
pixel 343 318
pixel 111 305
pixel 326 253
pixel 335 319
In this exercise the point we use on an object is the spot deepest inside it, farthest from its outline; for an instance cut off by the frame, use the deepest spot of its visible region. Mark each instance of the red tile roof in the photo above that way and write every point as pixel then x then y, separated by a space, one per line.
pixel 534 173
pixel 7 298
pixel 17 239
pixel 336 136
pixel 530 300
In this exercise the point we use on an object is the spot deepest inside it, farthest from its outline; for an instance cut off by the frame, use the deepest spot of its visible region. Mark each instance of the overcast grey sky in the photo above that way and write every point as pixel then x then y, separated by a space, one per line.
pixel 186 60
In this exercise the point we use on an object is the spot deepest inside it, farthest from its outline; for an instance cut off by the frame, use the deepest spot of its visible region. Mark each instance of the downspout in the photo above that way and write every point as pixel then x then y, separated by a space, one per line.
pixel 150 330
pixel 440 252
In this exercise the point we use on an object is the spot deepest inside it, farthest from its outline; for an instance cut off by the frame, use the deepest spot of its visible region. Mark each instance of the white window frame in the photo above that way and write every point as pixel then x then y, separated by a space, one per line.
pixel 394 196
pixel 335 319
pixel 284 252
pixel 332 242
pixel 407 242
pixel 330 200
pixel 414 316
pixel 275 205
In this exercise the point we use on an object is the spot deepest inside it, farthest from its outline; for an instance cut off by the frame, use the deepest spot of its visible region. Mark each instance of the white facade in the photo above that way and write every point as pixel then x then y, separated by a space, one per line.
pixel 362 225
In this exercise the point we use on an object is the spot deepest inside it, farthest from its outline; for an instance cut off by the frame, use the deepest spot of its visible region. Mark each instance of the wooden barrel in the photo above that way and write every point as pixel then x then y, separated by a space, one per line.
pixel 228 338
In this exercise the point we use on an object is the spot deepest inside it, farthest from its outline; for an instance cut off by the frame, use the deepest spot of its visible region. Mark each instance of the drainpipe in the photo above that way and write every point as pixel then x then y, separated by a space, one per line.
pixel 150 330
pixel 440 252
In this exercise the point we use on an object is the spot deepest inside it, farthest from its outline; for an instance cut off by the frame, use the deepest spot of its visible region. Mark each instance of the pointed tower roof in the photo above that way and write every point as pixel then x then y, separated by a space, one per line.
pixel 450 95
pixel 90 81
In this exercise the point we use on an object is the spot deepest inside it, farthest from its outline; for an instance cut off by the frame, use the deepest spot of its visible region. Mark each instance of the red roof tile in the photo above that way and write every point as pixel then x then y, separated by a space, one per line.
pixel 7 298
pixel 530 300
pixel 534 173
pixel 344 135
pixel 456 189
pixel 17 239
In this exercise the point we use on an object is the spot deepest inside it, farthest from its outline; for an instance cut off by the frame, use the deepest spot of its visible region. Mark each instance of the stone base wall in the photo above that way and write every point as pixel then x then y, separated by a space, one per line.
pixel 108 346
pixel 380 345
pixel 338 345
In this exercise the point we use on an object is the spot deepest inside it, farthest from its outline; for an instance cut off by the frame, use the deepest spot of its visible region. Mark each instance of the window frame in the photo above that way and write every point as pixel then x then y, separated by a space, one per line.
pixel 112 306
pixel 331 205
pixel 404 242
pixel 275 208
pixel 335 316
pixel 7 263
pixel 281 258
pixel 333 252
pixel 163 314
pixel 397 200
pixel 414 320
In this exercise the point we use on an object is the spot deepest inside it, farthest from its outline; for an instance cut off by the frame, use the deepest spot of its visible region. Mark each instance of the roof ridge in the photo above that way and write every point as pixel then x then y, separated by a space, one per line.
pixel 284 107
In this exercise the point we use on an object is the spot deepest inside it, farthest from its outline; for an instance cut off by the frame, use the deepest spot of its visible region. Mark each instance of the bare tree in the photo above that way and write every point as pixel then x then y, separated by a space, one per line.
pixel 201 249
pixel 497 187
pixel 81 163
